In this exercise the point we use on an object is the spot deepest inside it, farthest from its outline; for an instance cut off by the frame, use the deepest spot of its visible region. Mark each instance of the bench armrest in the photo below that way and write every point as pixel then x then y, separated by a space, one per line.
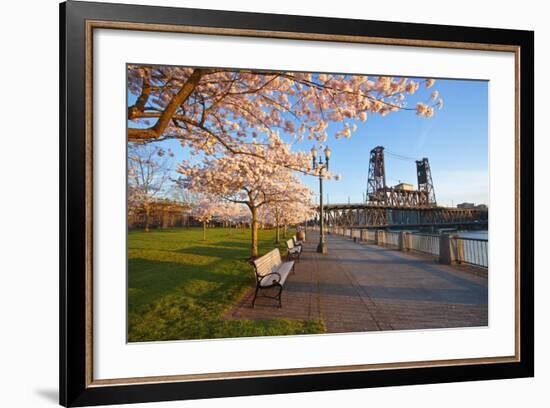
pixel 261 278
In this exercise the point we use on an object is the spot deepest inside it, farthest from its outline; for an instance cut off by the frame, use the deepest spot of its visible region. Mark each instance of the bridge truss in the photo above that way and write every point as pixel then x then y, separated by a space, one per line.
pixel 400 206
pixel 372 216
pixel 380 194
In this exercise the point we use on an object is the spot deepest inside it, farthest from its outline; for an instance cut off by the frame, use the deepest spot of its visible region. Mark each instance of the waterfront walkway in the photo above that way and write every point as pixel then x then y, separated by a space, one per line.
pixel 363 287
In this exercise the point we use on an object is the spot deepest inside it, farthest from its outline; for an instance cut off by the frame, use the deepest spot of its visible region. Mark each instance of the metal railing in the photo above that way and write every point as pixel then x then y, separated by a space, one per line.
pixel 371 236
pixel 473 251
pixel 425 243
pixel 392 238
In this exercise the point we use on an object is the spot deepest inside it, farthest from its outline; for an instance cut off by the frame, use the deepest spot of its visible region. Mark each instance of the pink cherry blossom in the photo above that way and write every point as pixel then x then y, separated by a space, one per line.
pixel 217 110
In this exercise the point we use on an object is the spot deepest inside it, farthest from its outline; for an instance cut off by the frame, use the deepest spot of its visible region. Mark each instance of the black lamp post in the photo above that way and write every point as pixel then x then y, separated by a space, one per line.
pixel 323 168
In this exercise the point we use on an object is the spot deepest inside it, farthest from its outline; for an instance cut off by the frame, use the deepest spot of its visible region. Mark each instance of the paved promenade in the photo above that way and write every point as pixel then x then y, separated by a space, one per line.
pixel 362 287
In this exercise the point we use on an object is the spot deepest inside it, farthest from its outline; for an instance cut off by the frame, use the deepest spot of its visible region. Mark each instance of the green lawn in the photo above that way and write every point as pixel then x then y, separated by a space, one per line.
pixel 179 286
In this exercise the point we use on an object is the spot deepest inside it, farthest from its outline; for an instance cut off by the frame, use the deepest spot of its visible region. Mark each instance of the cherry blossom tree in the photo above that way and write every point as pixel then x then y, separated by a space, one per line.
pixel 180 194
pixel 299 214
pixel 271 214
pixel 148 173
pixel 242 218
pixel 247 179
pixel 231 213
pixel 204 210
pixel 223 110
pixel 287 213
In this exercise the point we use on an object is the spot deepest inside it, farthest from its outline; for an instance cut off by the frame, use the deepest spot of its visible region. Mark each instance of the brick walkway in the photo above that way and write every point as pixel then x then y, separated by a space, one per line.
pixel 361 287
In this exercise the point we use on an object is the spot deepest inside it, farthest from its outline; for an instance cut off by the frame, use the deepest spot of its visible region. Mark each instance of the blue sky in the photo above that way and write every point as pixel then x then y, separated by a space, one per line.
pixel 455 140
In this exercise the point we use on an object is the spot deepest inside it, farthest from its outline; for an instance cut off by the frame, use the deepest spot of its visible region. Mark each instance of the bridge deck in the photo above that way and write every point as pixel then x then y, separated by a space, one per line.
pixel 361 287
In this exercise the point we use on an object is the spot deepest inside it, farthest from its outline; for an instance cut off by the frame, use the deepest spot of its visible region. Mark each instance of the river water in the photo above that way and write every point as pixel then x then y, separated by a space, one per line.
pixel 481 234
pixel 474 234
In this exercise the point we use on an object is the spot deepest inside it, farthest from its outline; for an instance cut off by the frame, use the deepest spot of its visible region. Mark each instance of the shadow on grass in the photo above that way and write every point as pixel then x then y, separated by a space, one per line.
pixel 173 301
pixel 180 287
pixel 149 280
pixel 230 249
pixel 218 251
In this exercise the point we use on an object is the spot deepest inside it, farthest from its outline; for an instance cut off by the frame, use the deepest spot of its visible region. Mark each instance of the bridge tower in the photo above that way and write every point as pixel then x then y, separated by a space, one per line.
pixel 425 183
pixel 376 183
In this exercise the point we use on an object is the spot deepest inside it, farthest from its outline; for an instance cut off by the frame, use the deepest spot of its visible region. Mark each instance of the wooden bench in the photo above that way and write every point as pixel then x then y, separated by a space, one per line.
pixel 293 251
pixel 271 272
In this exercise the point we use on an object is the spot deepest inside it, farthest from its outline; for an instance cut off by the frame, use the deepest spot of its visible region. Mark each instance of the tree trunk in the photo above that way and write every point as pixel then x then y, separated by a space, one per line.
pixel 146 228
pixel 254 233
pixel 204 230
pixel 277 236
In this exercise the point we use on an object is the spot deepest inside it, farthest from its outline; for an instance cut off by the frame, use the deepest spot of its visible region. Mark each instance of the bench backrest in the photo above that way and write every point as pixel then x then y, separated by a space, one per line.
pixel 264 264
pixel 290 244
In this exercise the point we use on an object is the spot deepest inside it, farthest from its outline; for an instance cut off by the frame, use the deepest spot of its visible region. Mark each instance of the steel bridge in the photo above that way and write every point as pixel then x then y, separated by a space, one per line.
pixel 400 206
pixel 367 215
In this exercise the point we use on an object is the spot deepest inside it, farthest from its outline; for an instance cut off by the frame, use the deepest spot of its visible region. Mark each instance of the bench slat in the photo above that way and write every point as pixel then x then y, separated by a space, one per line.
pixel 266 263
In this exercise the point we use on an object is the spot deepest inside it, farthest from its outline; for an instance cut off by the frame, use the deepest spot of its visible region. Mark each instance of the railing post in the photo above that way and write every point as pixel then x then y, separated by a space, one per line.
pixel 445 250
pixel 451 250
pixel 404 241
pixel 380 237
pixel 458 245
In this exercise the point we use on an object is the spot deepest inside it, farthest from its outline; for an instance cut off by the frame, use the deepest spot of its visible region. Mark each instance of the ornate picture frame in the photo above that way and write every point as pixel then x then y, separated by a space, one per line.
pixel 79 20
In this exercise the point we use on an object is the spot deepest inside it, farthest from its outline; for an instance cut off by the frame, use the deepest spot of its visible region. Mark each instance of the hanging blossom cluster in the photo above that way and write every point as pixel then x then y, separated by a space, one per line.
pixel 425 109
pixel 221 110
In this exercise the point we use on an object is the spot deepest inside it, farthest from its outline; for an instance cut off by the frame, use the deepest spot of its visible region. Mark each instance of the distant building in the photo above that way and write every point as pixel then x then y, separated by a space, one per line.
pixel 473 205
pixel 404 187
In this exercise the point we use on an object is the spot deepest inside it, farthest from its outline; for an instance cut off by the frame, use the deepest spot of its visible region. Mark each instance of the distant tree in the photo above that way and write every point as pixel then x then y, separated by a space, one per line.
pixel 271 214
pixel 230 213
pixel 204 210
pixel 181 194
pixel 209 207
pixel 287 213
pixel 148 173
